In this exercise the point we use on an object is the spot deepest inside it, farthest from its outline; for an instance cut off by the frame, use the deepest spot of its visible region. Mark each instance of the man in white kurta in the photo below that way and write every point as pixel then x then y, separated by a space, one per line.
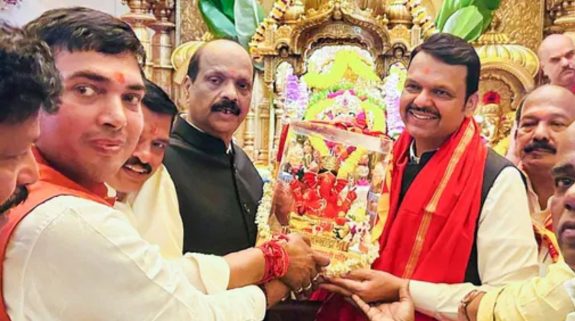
pixel 73 257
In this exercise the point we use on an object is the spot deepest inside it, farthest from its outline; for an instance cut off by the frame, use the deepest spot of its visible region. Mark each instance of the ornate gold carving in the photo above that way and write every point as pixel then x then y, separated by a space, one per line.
pixel 189 21
pixel 508 69
pixel 284 37
pixel 496 120
pixel 398 13
pixel 162 45
pixel 522 21
pixel 248 135
pixel 139 18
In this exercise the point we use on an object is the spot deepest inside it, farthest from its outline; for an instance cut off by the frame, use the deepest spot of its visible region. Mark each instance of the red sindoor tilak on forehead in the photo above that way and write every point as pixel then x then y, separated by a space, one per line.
pixel 119 77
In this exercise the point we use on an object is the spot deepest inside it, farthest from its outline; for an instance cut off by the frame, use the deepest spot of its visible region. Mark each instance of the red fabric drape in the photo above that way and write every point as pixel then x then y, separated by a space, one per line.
pixel 429 236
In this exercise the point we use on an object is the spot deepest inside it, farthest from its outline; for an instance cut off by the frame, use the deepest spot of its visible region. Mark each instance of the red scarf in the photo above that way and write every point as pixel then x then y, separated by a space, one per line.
pixel 429 236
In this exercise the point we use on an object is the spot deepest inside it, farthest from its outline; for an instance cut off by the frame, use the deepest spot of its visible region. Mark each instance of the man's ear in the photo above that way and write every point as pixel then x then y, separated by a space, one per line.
pixel 471 104
pixel 187 86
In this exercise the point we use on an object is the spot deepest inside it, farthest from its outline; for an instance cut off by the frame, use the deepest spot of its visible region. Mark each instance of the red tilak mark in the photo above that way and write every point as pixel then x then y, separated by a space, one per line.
pixel 154 130
pixel 119 77
pixel 426 70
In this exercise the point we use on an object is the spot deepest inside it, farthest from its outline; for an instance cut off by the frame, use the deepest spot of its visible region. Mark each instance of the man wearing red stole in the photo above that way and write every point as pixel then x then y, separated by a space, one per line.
pixel 457 217
pixel 66 253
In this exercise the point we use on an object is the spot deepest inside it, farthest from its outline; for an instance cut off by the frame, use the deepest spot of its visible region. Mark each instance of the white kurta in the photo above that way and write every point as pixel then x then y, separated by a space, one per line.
pixel 570 287
pixel 155 213
pixel 73 259
pixel 506 247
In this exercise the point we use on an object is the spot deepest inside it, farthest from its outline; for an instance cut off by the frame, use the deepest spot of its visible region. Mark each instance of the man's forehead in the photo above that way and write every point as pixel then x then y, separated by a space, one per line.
pixel 122 69
pixel 551 99
pixel 156 123
pixel 226 57
pixel 556 46
pixel 432 78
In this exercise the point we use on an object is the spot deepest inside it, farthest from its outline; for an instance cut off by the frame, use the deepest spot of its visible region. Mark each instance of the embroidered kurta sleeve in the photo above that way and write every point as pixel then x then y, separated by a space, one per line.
pixel 72 259
pixel 506 247
pixel 540 298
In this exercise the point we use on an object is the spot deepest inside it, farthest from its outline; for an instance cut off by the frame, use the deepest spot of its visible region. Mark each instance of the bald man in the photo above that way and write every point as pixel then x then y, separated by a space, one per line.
pixel 546 113
pixel 218 187
pixel 556 54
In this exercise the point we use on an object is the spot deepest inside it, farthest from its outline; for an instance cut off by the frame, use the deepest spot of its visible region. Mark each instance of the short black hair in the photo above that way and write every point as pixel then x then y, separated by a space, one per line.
pixel 194 66
pixel 82 29
pixel 453 50
pixel 28 77
pixel 157 100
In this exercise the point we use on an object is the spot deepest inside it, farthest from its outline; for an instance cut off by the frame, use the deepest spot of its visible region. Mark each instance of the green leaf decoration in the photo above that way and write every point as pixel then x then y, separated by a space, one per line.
pixel 218 23
pixel 466 23
pixel 227 7
pixel 249 15
pixel 485 12
pixel 491 4
pixel 447 9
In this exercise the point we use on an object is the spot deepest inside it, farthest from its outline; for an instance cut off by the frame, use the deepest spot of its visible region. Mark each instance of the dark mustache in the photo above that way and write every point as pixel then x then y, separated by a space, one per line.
pixel 539 145
pixel 422 109
pixel 136 161
pixel 19 196
pixel 230 105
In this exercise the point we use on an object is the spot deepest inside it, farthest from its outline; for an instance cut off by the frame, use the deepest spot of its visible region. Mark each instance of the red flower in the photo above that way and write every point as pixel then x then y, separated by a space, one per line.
pixel 491 97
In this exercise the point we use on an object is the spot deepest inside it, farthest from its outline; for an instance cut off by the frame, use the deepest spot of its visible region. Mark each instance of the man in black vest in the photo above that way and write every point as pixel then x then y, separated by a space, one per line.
pixel 218 187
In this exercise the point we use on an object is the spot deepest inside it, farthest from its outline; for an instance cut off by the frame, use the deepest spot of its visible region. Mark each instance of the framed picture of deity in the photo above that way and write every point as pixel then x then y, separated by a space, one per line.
pixel 330 179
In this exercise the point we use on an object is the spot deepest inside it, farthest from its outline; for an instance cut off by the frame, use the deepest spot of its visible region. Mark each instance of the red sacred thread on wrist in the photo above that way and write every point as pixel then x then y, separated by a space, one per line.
pixel 276 260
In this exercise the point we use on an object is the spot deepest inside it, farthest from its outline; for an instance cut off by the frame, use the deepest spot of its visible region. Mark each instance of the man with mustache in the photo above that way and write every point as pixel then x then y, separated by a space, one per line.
pixel 457 218
pixel 146 194
pixel 556 54
pixel 551 297
pixel 218 187
pixel 28 82
pixel 544 114
pixel 67 253
pixel 144 189
pixel 556 57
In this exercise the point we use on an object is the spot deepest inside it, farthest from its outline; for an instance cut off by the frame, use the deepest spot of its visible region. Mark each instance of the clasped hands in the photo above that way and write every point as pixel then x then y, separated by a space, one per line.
pixel 374 286
pixel 305 265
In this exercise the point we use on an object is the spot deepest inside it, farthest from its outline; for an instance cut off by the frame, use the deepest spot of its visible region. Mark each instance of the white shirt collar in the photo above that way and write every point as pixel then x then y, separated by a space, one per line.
pixel 412 156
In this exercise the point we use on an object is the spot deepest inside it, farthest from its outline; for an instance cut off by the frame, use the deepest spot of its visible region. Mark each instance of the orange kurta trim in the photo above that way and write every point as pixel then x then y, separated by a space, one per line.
pixel 51 184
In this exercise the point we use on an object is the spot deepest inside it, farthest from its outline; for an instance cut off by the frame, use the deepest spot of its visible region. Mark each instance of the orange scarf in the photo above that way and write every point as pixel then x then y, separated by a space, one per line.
pixel 51 183
pixel 429 236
